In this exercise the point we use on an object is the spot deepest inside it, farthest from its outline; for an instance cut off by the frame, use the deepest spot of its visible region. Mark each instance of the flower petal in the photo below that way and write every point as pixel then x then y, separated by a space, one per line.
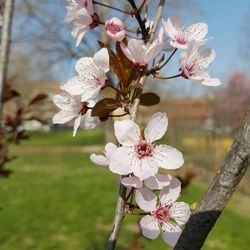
pixel 158 181
pixel 99 160
pixel 180 212
pixel 150 228
pixel 170 194
pixel 170 233
pixel 101 58
pixel 156 127
pixel 63 116
pixel 197 31
pixel 127 132
pixel 168 157
pixel 132 181
pixel 77 124
pixel 120 162
pixel 145 199
pixel 110 148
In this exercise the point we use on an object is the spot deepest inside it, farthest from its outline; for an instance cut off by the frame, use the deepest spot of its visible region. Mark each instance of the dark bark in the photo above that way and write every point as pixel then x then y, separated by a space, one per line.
pixel 219 192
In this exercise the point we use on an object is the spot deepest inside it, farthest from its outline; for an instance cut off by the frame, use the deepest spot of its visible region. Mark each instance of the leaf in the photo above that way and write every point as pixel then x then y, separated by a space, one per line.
pixel 149 99
pixel 104 107
pixel 38 98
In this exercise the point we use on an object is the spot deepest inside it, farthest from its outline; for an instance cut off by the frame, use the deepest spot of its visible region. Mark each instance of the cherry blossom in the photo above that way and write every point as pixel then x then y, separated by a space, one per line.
pixel 73 107
pixel 138 153
pixel 140 54
pixel 115 29
pixel 165 215
pixel 180 35
pixel 80 13
pixel 91 75
pixel 103 160
pixel 194 65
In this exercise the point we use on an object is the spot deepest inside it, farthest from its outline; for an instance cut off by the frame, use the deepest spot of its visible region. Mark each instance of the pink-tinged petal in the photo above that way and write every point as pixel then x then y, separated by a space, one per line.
pixel 77 123
pixel 115 29
pixel 180 212
pixel 131 181
pixel 120 162
pixel 150 228
pixel 62 101
pixel 177 45
pixel 156 127
pixel 170 194
pixel 89 122
pixel 127 132
pixel 99 160
pixel 168 157
pixel 154 49
pixel 137 50
pixel 79 35
pixel 206 57
pixel 197 31
pixel 86 66
pixel 170 233
pixel 145 167
pixel 63 116
pixel 127 52
pixel 157 182
pixel 145 199
pixel 172 26
pixel 101 58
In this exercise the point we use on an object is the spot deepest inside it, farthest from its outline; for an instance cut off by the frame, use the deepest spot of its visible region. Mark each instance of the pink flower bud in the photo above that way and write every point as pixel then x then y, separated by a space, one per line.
pixel 115 29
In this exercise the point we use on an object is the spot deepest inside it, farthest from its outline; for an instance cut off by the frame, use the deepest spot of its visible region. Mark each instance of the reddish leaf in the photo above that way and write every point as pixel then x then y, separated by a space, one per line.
pixel 149 99
pixel 104 107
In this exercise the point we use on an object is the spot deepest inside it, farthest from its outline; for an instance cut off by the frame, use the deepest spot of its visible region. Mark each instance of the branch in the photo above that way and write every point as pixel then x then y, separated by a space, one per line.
pixel 120 207
pixel 219 192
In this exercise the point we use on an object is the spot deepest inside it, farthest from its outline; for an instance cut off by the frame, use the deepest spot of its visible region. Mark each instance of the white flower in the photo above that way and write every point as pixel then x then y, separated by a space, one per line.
pixel 194 65
pixel 81 14
pixel 181 36
pixel 138 154
pixel 103 160
pixel 73 107
pixel 91 75
pixel 140 54
pixel 165 215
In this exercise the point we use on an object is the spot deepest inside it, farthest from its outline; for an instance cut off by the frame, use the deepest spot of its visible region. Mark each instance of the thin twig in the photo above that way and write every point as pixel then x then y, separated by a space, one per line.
pixel 113 8
pixel 166 62
pixel 167 77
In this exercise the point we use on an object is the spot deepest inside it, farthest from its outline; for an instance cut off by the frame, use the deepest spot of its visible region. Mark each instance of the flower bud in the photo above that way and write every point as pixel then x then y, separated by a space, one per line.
pixel 115 29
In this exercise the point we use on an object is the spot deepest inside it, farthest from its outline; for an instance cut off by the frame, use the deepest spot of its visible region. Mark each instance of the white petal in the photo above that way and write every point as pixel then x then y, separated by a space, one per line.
pixel 154 49
pixel 158 181
pixel 74 86
pixel 137 50
pixel 89 122
pixel 99 160
pixel 63 116
pixel 145 199
pixel 206 56
pixel 110 148
pixel 156 127
pixel 170 233
pixel 127 52
pixel 170 194
pixel 168 157
pixel 213 82
pixel 150 228
pixel 132 181
pixel 62 101
pixel 101 58
pixel 85 66
pixel 120 162
pixel 180 212
pixel 77 124
pixel 127 132
pixel 197 31
pixel 172 26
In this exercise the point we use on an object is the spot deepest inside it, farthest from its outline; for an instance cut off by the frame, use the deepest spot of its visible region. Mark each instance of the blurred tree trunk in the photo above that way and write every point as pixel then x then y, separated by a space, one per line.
pixel 219 192
pixel 5 47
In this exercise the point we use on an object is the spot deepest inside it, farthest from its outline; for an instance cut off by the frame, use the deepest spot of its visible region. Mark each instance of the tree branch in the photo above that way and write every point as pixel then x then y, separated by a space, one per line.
pixel 219 192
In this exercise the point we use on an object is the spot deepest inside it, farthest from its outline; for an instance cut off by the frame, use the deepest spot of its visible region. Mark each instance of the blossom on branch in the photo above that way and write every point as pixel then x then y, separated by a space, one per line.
pixel 80 13
pixel 138 153
pixel 140 54
pixel 73 107
pixel 115 29
pixel 194 65
pixel 165 214
pixel 91 75
pixel 180 35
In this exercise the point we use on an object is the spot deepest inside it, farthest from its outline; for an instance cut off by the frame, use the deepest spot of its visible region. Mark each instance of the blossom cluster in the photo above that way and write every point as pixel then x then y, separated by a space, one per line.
pixel 137 159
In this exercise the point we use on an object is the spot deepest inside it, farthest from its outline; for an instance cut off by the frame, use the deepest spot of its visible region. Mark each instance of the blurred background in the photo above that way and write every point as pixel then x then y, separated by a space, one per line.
pixel 53 197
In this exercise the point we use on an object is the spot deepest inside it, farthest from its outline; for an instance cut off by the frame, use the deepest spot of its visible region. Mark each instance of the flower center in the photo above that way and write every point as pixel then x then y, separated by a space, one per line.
pixel 143 149
pixel 161 214
pixel 181 40
pixel 113 28
pixel 84 108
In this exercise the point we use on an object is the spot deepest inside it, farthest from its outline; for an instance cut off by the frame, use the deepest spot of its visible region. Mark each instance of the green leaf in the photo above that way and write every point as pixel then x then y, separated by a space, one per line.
pixel 149 99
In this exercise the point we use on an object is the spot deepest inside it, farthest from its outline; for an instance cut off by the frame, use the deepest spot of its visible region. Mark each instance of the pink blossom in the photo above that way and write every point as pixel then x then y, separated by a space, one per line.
pixel 194 65
pixel 165 215
pixel 115 29
pixel 181 36
pixel 81 14
pixel 91 75
pixel 140 54
pixel 104 160
pixel 74 107
pixel 138 153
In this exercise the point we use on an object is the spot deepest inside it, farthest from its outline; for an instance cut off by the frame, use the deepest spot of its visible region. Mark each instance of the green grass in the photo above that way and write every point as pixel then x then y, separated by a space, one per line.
pixel 59 200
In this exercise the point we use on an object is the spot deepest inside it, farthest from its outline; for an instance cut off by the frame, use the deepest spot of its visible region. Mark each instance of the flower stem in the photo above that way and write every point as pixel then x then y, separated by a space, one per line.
pixel 169 58
pixel 167 77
